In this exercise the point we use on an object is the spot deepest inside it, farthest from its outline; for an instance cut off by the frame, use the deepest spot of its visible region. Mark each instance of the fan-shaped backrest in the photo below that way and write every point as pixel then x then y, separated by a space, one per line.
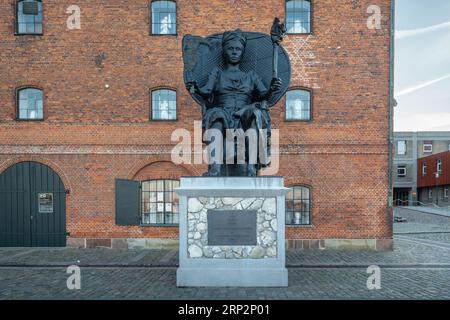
pixel 201 55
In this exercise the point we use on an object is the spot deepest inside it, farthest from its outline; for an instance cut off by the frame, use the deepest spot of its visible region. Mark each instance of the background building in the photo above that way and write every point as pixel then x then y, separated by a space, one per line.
pixel 433 180
pixel 87 116
pixel 409 147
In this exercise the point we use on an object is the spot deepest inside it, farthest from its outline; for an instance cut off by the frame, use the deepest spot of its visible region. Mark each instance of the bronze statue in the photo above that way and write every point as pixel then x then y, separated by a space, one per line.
pixel 240 87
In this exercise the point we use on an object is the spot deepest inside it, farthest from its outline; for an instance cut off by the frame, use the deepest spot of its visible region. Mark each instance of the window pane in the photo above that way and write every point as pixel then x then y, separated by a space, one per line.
pixel 305 218
pixel 30 27
pixel 22 28
pixel 38 28
pixel 305 193
pixel 27 18
pixel 290 194
pixel 289 217
pixel 298 205
pixel 23 114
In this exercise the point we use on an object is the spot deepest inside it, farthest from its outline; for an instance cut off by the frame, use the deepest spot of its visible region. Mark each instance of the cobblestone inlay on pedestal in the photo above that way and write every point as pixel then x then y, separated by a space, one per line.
pixel 198 228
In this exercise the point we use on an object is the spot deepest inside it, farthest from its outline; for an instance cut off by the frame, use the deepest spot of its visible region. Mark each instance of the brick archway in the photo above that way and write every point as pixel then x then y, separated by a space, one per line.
pixel 161 170
pixel 43 160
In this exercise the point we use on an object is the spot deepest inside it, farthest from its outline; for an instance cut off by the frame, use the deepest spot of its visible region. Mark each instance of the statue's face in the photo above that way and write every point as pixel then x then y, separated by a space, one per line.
pixel 233 51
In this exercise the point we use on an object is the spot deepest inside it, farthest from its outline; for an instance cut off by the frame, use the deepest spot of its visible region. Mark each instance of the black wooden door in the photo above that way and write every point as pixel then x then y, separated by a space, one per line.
pixel 32 207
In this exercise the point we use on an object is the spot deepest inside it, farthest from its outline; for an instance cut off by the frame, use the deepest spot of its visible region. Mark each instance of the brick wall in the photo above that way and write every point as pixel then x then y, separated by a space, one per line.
pixel 92 134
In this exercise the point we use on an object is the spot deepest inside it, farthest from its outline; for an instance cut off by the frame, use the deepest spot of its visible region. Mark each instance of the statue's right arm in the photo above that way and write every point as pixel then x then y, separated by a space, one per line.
pixel 208 89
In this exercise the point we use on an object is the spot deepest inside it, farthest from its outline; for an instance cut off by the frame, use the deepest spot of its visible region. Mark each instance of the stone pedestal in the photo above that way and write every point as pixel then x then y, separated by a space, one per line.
pixel 232 232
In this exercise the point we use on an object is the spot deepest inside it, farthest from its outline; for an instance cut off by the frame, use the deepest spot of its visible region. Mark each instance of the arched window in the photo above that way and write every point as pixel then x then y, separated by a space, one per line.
pixel 164 104
pixel 298 16
pixel 29 104
pixel 163 17
pixel 298 105
pixel 159 202
pixel 29 17
pixel 298 206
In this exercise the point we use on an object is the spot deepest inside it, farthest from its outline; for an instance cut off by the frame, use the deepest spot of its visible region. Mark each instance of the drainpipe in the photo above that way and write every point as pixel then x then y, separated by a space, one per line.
pixel 391 109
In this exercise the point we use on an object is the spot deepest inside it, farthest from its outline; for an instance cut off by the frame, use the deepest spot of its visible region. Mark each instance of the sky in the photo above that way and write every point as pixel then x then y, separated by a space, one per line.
pixel 422 65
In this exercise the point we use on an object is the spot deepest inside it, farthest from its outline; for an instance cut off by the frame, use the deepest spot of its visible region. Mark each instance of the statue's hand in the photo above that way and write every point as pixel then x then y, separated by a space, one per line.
pixel 276 84
pixel 262 105
pixel 192 86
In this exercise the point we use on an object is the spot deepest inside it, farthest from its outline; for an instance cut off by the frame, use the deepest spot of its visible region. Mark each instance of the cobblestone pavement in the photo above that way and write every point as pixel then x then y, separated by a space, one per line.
pixel 159 283
pixel 417 268
pixel 418 222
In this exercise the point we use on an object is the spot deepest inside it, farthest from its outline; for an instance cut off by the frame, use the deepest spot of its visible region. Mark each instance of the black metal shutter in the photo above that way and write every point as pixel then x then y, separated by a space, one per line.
pixel 127 202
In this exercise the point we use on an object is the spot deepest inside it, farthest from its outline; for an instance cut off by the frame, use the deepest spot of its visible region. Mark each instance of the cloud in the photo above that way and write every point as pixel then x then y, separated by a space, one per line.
pixel 441 128
pixel 402 34
pixel 420 86
pixel 422 121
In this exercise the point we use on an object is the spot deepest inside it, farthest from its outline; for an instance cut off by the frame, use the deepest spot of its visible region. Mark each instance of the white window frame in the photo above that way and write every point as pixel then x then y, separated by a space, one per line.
pixel 427 145
pixel 305 106
pixel 157 113
pixel 24 112
pixel 439 166
pixel 401 168
pixel 404 147
pixel 157 205
pixel 300 195
pixel 424 168
pixel 298 23
pixel 154 25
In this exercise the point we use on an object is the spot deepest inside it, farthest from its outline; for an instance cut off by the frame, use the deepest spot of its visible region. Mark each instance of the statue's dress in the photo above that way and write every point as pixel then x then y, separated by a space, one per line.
pixel 236 102
pixel 230 96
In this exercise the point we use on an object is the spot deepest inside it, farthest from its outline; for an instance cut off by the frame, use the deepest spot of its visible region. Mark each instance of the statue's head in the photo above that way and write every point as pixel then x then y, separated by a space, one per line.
pixel 233 46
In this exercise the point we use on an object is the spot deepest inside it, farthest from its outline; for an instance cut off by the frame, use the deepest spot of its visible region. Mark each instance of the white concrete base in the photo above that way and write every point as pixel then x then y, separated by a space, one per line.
pixel 227 277
pixel 242 271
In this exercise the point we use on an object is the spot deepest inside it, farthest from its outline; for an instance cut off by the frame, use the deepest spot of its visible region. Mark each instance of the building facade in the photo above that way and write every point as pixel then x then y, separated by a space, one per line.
pixel 433 179
pixel 409 148
pixel 92 93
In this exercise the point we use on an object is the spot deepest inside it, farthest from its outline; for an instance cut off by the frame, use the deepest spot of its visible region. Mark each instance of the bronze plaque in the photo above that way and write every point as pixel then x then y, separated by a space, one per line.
pixel 231 227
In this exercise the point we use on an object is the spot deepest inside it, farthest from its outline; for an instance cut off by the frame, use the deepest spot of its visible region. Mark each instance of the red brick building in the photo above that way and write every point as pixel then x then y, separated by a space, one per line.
pixel 84 106
pixel 433 179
